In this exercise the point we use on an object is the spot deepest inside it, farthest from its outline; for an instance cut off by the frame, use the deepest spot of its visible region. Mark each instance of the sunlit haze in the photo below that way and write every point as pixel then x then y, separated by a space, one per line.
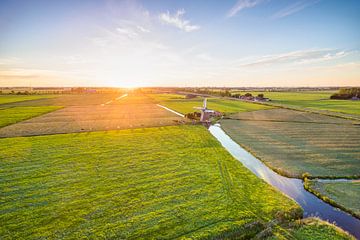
pixel 250 43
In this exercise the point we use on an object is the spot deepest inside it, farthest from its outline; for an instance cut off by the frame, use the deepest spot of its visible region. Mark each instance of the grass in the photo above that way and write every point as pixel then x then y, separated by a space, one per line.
pixel 160 183
pixel 182 105
pixel 310 229
pixel 132 111
pixel 344 195
pixel 313 100
pixel 293 143
pixel 17 114
pixel 19 98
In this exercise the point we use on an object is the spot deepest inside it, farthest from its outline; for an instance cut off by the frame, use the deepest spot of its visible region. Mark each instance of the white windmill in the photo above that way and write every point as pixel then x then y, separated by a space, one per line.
pixel 205 113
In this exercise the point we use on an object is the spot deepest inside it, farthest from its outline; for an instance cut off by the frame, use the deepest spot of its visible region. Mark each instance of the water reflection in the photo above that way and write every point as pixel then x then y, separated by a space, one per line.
pixel 292 187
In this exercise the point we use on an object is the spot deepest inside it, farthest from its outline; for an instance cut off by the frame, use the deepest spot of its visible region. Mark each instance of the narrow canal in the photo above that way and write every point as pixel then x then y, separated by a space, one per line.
pixel 292 187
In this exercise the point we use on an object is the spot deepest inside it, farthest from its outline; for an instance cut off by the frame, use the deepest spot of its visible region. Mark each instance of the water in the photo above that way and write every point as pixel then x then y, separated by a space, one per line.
pixel 292 187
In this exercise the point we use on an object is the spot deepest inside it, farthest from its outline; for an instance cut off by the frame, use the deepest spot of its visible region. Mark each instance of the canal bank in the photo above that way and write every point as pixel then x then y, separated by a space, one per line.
pixel 312 205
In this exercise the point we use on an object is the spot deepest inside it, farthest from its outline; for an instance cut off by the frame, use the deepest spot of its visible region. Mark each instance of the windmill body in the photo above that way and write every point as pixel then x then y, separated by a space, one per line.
pixel 205 112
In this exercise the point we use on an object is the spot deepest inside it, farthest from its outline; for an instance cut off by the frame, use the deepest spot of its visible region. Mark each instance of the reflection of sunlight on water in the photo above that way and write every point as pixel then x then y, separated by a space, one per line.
pixel 292 187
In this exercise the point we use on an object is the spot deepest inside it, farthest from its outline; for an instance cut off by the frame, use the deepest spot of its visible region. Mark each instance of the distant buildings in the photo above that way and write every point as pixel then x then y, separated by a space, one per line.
pixel 250 97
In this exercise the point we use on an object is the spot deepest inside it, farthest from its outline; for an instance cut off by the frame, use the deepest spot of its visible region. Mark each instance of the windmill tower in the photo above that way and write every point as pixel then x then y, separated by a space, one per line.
pixel 205 113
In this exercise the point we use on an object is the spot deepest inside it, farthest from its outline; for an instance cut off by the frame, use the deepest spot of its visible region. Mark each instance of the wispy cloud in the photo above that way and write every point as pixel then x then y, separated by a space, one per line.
pixel 295 57
pixel 294 8
pixel 132 31
pixel 177 20
pixel 242 4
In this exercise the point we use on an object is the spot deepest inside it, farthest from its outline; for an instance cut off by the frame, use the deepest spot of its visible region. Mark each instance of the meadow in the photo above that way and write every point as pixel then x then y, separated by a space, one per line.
pixel 141 182
pixel 20 98
pixel 312 100
pixel 162 183
pixel 18 114
pixel 344 194
pixel 293 143
pixel 309 229
pixel 182 105
pixel 91 113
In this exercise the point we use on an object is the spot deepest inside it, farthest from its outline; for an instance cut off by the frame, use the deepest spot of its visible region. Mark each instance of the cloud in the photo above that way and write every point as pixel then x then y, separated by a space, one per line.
pixel 295 57
pixel 142 29
pixel 132 31
pixel 242 4
pixel 176 20
pixel 294 8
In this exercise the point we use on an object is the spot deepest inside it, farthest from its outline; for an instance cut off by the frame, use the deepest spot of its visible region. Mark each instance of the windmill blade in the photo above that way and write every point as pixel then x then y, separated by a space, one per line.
pixel 204 103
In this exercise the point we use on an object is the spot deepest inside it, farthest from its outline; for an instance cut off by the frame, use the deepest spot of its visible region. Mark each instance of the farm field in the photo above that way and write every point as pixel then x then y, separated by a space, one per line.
pixel 293 143
pixel 16 114
pixel 310 229
pixel 101 113
pixel 64 100
pixel 343 193
pixel 313 100
pixel 131 184
pixel 182 105
pixel 19 98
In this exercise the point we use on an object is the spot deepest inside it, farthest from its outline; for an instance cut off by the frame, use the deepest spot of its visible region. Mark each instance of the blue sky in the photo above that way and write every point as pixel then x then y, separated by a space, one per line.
pixel 180 43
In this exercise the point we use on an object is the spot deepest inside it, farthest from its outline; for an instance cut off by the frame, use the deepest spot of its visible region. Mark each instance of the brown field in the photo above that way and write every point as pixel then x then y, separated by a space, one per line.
pixel 91 113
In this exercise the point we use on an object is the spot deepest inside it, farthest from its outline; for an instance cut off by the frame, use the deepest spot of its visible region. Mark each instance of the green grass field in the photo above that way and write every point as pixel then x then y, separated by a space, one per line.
pixel 157 183
pixel 182 105
pixel 19 98
pixel 293 143
pixel 161 183
pixel 344 194
pixel 18 114
pixel 310 229
pixel 312 100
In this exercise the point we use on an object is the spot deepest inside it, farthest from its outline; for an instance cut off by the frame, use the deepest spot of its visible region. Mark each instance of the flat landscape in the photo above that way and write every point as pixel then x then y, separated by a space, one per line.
pixel 20 98
pixel 100 113
pixel 312 100
pixel 294 143
pixel 154 176
pixel 131 184
pixel 180 104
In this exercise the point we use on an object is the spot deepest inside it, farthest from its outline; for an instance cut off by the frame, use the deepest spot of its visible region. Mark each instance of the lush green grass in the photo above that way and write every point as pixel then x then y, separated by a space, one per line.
pixel 292 96
pixel 310 229
pixel 16 114
pixel 154 183
pixel 344 194
pixel 19 98
pixel 179 104
pixel 293 143
pixel 313 100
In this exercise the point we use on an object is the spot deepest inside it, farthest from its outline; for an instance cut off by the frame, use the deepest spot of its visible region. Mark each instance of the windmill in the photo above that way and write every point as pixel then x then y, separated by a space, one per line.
pixel 205 113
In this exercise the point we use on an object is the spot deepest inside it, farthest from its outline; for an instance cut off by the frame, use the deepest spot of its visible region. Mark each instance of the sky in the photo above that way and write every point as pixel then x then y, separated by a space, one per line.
pixel 233 43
